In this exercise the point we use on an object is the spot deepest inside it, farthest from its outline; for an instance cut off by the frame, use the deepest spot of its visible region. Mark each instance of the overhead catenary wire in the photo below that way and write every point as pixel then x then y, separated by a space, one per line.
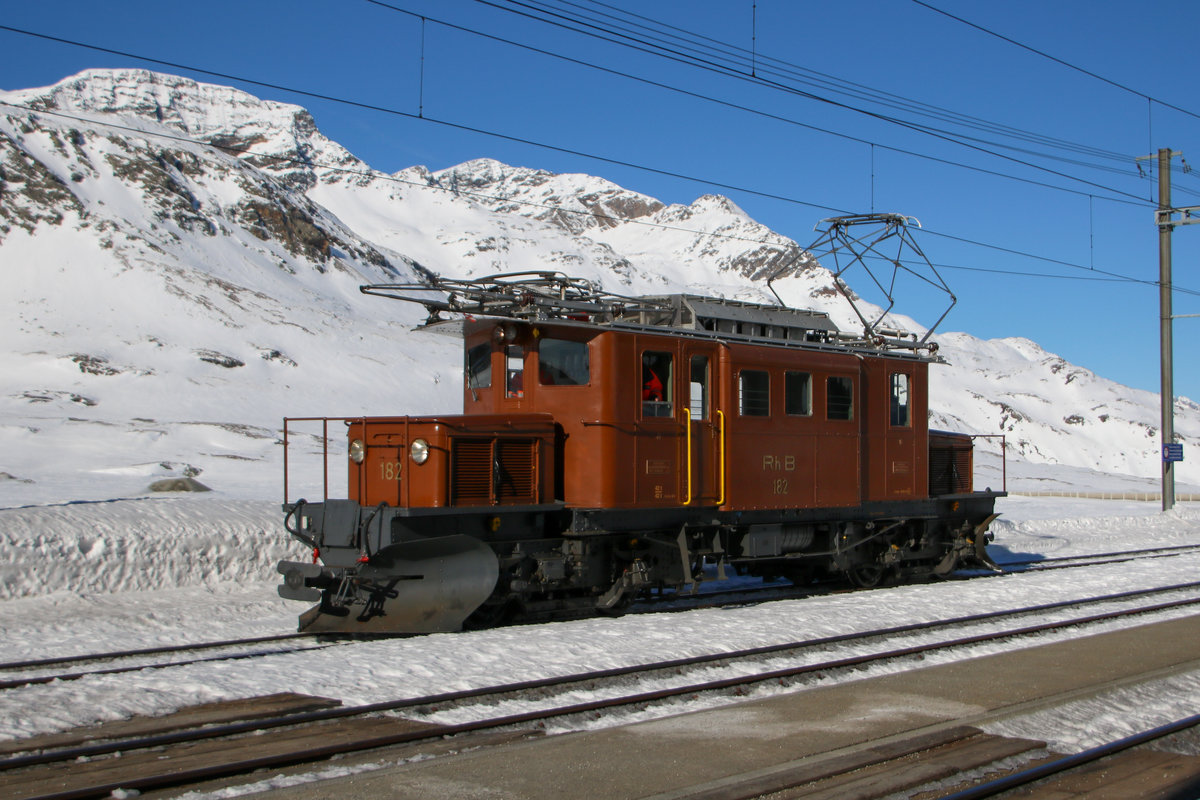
pixel 490 133
pixel 739 56
pixel 368 106
pixel 1057 60
pixel 887 99
pixel 1150 99
pixel 426 118
pixel 1130 199
pixel 673 54
pixel 890 99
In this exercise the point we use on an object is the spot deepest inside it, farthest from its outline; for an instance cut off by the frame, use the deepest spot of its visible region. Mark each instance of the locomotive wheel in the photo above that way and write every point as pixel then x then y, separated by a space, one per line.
pixel 867 576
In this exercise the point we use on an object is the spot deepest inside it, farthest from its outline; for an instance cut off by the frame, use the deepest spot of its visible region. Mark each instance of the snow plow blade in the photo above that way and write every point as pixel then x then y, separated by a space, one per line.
pixel 982 537
pixel 423 586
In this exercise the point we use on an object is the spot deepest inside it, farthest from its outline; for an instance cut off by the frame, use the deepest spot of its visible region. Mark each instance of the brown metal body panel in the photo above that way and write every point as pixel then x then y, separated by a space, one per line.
pixel 619 450
pixel 590 466
pixel 596 450
pixel 664 438
pixel 460 469
pixel 783 460
pixel 378 478
pixel 693 446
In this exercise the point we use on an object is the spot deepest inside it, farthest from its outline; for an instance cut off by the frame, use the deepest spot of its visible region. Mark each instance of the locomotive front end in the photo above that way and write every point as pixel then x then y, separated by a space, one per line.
pixel 407 551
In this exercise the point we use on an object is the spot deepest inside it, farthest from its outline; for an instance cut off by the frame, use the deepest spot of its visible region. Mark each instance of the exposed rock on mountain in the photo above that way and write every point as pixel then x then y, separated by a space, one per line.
pixel 182 263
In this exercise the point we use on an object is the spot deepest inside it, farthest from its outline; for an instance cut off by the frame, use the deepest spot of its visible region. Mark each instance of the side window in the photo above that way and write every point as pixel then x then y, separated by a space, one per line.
pixel 839 398
pixel 797 394
pixel 754 393
pixel 698 388
pixel 563 363
pixel 656 384
pixel 479 366
pixel 899 400
pixel 514 370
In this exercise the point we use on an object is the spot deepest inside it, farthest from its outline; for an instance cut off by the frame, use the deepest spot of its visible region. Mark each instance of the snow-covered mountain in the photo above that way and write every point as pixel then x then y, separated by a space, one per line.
pixel 181 266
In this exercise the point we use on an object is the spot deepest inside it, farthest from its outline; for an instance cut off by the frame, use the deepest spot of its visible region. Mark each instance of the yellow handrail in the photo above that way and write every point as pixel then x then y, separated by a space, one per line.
pixel 721 457
pixel 687 414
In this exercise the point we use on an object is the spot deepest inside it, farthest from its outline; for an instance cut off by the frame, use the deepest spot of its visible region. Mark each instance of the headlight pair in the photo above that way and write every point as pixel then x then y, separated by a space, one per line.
pixel 419 451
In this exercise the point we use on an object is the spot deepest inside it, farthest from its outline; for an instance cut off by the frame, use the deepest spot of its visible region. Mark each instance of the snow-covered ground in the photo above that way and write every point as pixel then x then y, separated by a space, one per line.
pixel 83 577
pixel 178 333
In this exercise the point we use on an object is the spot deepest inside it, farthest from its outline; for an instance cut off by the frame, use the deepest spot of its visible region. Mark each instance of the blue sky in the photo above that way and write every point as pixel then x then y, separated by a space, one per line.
pixel 1075 211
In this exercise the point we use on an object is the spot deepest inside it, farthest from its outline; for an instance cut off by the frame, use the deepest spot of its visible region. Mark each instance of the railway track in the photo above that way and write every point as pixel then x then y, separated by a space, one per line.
pixel 154 759
pixel 1094 559
pixel 1057 773
pixel 247 648
pixel 256 647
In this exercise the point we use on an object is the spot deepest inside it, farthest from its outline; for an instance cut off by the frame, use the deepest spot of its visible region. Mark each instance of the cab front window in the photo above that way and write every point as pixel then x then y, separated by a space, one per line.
pixel 563 363
pixel 479 366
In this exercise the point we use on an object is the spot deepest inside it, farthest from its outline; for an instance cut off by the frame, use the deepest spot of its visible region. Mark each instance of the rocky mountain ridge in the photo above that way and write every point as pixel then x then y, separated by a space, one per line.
pixel 183 262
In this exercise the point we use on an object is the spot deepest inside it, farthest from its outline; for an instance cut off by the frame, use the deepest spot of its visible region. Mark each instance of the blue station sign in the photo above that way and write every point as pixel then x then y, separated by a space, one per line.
pixel 1173 451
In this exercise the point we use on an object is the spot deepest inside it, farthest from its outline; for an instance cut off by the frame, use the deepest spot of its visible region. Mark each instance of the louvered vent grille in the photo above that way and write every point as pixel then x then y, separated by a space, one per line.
pixel 493 472
pixel 471 472
pixel 949 470
pixel 516 482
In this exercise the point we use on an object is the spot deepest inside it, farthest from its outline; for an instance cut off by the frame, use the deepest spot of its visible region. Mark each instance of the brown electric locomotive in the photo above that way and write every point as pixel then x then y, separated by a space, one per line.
pixel 613 446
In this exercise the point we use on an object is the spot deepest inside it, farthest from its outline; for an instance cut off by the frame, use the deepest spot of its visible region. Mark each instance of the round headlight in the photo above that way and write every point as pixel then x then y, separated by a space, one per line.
pixel 358 451
pixel 419 451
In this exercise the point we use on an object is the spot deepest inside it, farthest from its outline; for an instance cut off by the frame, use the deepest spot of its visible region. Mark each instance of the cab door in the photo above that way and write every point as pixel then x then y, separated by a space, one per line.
pixel 658 429
pixel 900 443
pixel 703 452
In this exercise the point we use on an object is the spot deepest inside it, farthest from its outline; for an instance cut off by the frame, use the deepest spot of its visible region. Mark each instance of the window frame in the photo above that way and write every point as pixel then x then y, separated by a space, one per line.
pixel 514 377
pixel 699 406
pixel 481 378
pixel 842 397
pixel 894 396
pixel 562 367
pixel 664 408
pixel 760 397
pixel 805 396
